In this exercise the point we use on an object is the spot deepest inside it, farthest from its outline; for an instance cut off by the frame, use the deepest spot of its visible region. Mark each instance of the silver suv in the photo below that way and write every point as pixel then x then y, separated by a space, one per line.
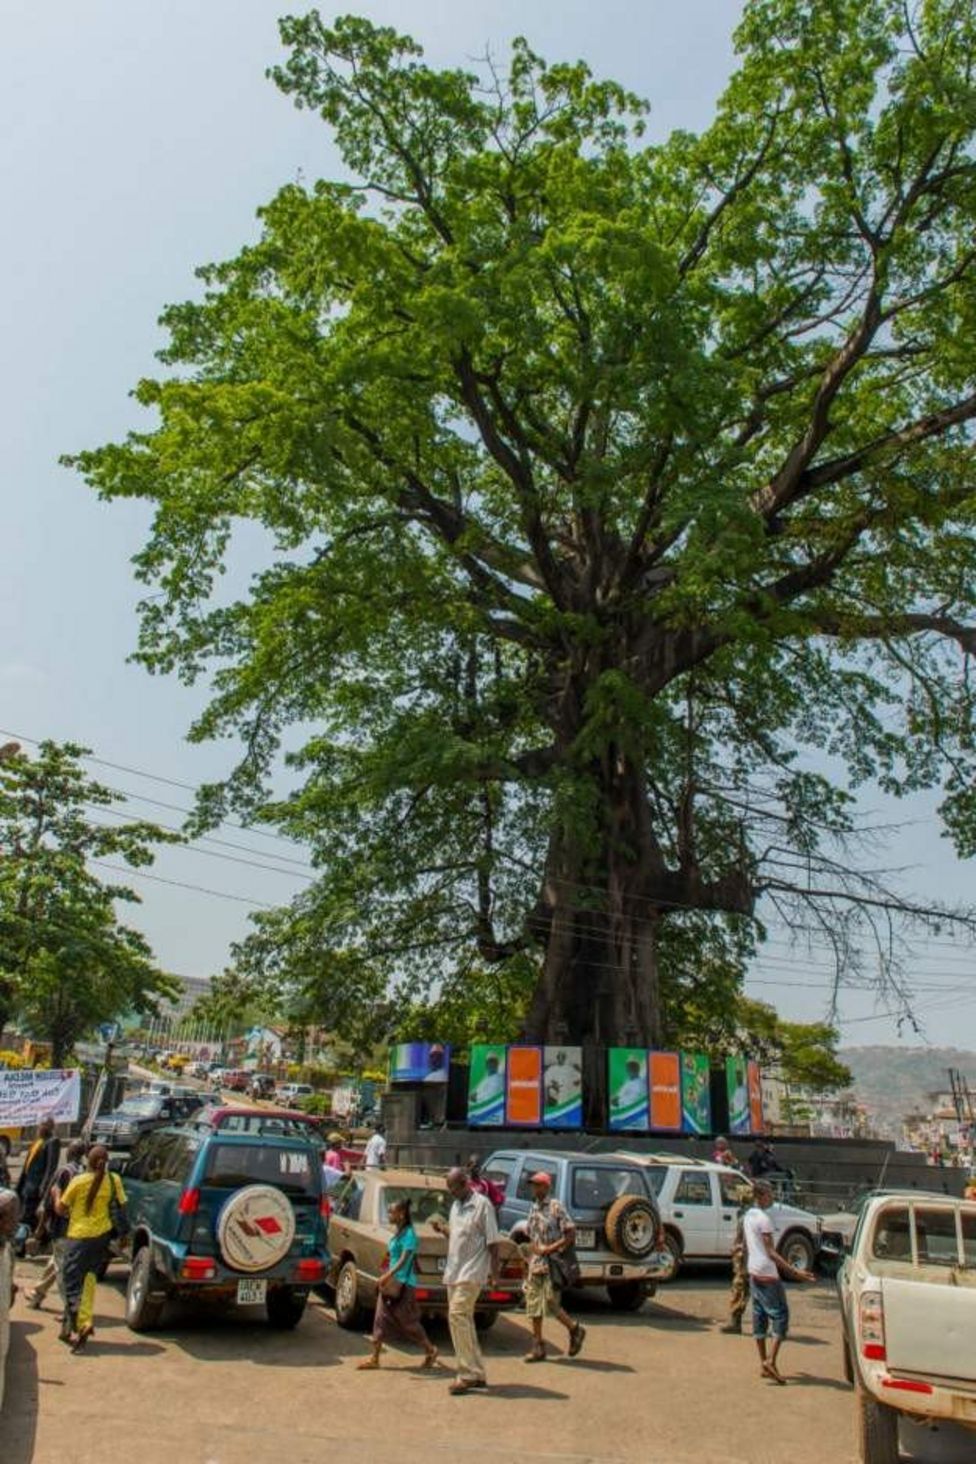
pixel 611 1201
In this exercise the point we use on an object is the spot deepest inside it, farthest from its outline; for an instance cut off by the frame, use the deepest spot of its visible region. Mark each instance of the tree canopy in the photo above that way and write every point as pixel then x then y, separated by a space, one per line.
pixel 618 500
pixel 66 962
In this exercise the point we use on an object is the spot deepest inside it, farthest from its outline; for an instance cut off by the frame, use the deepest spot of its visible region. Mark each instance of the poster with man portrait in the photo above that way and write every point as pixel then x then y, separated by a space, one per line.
pixel 562 1087
pixel 486 1085
pixel 627 1089
pixel 737 1088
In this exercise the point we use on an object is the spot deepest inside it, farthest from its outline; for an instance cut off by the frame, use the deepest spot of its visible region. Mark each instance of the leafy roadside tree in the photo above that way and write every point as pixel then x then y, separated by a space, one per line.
pixel 618 495
pixel 66 962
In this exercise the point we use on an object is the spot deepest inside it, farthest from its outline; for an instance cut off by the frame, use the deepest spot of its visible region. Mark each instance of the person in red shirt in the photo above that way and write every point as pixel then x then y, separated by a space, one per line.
pixel 487 1187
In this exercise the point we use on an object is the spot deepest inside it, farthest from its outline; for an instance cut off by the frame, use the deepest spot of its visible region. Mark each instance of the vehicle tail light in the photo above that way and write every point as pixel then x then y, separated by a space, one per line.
pixel 310 1270
pixel 501 1296
pixel 872 1326
pixel 189 1202
pixel 198 1268
pixel 325 1207
pixel 422 1294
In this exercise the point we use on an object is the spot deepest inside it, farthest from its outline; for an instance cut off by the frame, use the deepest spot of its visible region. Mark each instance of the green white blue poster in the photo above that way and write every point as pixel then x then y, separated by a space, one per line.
pixel 562 1087
pixel 737 1087
pixel 486 1085
pixel 696 1097
pixel 627 1087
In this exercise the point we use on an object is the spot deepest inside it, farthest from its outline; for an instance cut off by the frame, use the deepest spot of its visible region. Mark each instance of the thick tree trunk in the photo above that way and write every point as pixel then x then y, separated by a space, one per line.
pixel 599 914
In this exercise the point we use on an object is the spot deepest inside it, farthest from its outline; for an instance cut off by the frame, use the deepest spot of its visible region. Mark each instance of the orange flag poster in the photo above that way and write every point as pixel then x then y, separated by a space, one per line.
pixel 665 1072
pixel 524 1092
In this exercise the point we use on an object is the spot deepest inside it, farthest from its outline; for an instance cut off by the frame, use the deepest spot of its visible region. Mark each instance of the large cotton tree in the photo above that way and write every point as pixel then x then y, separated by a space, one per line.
pixel 618 505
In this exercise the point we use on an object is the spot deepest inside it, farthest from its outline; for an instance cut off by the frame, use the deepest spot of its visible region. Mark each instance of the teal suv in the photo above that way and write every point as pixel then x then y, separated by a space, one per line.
pixel 226 1217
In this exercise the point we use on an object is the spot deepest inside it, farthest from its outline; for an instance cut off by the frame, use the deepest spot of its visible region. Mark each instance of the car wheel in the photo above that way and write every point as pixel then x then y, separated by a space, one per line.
pixel 286 1308
pixel 877 1429
pixel 798 1250
pixel 143 1310
pixel 485 1320
pixel 631 1227
pixel 347 1307
pixel 627 1296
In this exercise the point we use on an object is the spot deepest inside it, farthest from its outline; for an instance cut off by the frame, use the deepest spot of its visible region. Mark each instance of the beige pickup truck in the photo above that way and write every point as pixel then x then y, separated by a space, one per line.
pixel 908 1302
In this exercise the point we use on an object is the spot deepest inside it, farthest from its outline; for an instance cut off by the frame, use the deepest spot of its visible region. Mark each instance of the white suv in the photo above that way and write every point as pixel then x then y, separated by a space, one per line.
pixel 699 1203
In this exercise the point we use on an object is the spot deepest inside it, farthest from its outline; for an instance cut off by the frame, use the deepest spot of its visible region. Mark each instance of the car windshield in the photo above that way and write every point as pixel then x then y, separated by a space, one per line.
pixel 138 1107
pixel 424 1203
pixel 231 1166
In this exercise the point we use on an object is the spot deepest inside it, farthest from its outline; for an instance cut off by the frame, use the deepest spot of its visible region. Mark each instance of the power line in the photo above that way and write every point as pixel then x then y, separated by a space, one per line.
pixel 182 885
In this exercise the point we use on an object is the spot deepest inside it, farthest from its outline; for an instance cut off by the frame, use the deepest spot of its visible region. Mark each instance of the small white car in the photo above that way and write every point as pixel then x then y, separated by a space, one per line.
pixel 908 1309
pixel 288 1092
pixel 699 1203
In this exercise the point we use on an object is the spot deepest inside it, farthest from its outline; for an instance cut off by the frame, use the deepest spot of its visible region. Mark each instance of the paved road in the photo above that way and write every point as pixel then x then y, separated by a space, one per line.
pixel 662 1387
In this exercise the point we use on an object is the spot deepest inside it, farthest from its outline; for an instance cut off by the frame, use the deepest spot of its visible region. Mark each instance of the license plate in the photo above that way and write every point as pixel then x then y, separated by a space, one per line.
pixel 251 1293
pixel 586 1239
pixel 441 1263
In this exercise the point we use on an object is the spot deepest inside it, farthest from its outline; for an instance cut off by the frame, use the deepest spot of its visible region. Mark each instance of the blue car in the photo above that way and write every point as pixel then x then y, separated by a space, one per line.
pixel 224 1216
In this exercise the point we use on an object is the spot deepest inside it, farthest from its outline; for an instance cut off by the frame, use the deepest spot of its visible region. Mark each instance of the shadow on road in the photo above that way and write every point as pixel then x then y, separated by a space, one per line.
pixel 517 1390
pixel 18 1417
pixel 808 1380
pixel 594 1364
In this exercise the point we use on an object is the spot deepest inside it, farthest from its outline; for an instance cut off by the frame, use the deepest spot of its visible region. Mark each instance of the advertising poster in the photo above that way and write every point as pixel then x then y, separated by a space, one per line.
pixel 754 1082
pixel 665 1080
pixel 419 1062
pixel 737 1087
pixel 562 1087
pixel 29 1094
pixel 627 1088
pixel 524 1096
pixel 696 1096
pixel 486 1085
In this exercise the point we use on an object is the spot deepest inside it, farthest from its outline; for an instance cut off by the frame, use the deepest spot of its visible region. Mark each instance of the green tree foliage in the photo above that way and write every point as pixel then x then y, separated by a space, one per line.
pixel 66 962
pixel 615 496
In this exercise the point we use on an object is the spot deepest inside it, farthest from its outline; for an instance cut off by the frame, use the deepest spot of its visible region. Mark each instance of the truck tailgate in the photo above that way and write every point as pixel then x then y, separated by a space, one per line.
pixel 930 1325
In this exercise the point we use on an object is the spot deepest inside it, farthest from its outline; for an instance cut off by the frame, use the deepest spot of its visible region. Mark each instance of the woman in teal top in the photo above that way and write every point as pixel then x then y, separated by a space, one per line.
pixel 397 1313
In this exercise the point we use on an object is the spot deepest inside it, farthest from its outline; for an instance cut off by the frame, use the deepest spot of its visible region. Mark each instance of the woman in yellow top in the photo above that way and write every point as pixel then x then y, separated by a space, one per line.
pixel 86 1202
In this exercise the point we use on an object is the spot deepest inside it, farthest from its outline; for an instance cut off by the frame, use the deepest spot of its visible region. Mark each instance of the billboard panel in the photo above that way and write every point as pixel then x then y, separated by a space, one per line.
pixel 627 1088
pixel 486 1085
pixel 665 1082
pixel 562 1087
pixel 419 1062
pixel 523 1102
pixel 754 1081
pixel 737 1087
pixel 696 1097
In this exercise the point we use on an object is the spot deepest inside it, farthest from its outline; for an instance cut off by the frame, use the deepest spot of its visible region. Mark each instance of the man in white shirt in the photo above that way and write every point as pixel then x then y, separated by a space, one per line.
pixel 472 1260
pixel 376 1149
pixel 770 1310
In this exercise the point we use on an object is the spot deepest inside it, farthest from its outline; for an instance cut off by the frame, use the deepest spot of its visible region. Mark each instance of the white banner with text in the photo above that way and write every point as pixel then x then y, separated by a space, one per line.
pixel 29 1094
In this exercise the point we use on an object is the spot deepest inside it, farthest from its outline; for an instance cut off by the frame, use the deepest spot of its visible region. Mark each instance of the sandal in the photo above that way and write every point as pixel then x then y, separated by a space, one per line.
pixel 431 1359
pixel 466 1385
pixel 368 1364
pixel 576 1338
pixel 538 1354
pixel 78 1342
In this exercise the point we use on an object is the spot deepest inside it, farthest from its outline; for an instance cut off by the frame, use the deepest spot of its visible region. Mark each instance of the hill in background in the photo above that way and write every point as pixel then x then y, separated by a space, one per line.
pixel 893 1081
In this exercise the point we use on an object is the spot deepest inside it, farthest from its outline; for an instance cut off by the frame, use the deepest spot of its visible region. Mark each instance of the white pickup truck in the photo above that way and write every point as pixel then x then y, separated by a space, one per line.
pixel 908 1304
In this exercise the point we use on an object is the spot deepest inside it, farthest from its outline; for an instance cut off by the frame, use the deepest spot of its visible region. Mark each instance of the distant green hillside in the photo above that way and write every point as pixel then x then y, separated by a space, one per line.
pixel 893 1081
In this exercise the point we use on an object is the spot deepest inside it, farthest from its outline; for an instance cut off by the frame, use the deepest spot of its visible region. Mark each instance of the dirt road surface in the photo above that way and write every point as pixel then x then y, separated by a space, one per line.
pixel 661 1387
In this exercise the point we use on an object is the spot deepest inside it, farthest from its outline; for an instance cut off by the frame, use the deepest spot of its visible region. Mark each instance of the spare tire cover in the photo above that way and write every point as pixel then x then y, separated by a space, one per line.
pixel 631 1226
pixel 256 1228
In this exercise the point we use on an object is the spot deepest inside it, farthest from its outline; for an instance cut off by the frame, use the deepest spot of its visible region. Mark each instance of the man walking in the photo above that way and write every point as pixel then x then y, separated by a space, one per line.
pixel 740 1274
pixel 376 1149
pixel 472 1260
pixel 39 1170
pixel 57 1227
pixel 770 1310
pixel 551 1234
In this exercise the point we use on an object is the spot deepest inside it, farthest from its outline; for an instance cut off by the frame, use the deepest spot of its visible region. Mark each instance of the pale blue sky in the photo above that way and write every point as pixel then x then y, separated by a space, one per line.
pixel 137 139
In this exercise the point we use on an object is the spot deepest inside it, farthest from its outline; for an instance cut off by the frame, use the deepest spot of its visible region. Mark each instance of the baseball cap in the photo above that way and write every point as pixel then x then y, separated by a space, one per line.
pixel 541 1177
